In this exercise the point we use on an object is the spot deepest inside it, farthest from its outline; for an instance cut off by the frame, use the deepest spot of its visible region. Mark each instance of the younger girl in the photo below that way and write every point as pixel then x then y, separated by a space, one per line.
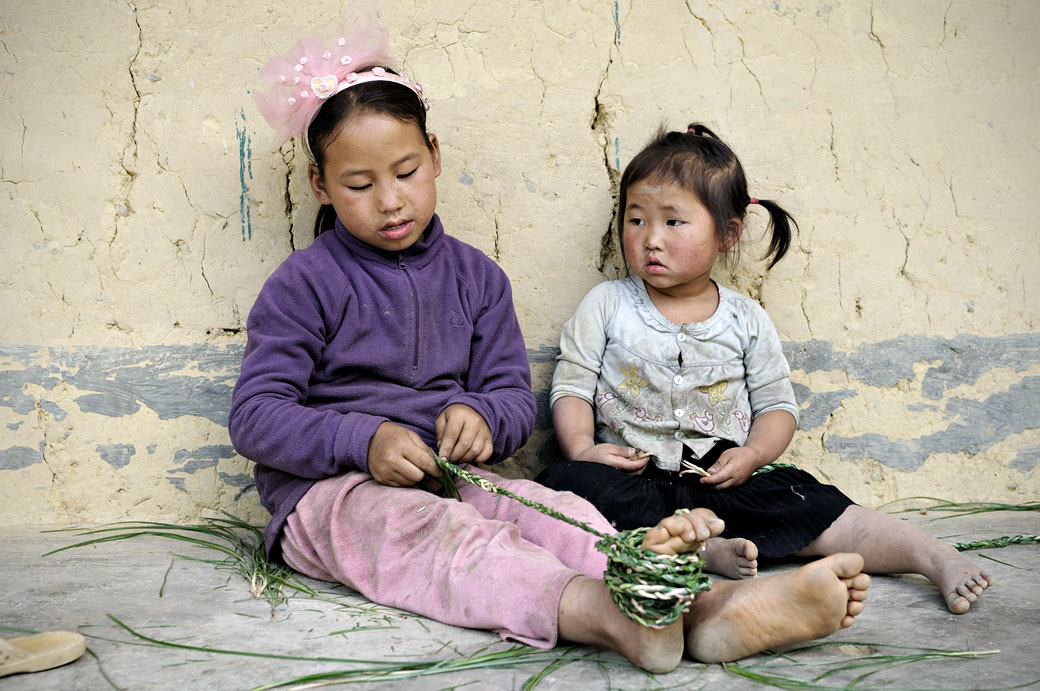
pixel 387 338
pixel 673 391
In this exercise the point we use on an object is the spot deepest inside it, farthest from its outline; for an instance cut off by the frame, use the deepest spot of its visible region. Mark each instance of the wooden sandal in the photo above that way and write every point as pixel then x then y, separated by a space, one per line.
pixel 40 651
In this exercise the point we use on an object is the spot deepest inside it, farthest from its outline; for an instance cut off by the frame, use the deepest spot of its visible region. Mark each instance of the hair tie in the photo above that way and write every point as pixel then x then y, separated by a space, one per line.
pixel 692 130
pixel 753 200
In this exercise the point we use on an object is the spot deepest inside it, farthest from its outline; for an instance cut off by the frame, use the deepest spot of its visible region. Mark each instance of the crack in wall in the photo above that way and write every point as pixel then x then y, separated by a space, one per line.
pixel 805 298
pixel 747 68
pixel 953 195
pixel 881 44
pixel 884 58
pixel 711 35
pixel 496 252
pixel 906 255
pixel 25 131
pixel 600 126
pixel 289 159
pixel 45 447
pixel 202 270
pixel 129 158
pixel 946 25
pixel 834 149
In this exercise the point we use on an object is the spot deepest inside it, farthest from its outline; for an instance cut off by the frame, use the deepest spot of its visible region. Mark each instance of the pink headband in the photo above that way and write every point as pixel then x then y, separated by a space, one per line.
pixel 310 73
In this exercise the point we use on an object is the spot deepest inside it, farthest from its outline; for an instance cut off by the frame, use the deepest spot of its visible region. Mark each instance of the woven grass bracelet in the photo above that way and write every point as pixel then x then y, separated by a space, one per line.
pixel 649 588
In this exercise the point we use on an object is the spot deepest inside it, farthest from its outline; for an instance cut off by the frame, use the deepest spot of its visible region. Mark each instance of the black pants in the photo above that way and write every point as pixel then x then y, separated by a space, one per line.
pixel 781 511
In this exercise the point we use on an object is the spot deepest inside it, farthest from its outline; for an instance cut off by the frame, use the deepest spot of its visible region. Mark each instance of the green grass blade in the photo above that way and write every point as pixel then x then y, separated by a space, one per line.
pixel 960 508
pixel 1003 541
pixel 768 671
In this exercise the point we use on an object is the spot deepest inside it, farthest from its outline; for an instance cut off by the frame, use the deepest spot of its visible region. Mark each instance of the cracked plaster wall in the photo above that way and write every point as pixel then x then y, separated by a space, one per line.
pixel 144 202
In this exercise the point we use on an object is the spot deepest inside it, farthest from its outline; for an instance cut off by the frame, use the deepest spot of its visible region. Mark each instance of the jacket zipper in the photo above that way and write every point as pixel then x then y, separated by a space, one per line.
pixel 415 298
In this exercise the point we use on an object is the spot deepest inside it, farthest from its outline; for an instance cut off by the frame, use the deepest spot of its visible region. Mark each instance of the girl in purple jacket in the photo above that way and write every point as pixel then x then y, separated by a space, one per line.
pixel 387 339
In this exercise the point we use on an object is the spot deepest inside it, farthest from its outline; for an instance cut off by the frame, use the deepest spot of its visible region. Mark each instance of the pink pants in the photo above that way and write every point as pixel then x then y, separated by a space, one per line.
pixel 487 562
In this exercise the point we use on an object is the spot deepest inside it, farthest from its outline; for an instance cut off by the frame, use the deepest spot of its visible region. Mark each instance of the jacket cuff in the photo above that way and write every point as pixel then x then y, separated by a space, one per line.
pixel 353 438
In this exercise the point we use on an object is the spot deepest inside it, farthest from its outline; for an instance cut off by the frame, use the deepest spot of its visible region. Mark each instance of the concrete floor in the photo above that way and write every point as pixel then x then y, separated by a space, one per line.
pixel 191 603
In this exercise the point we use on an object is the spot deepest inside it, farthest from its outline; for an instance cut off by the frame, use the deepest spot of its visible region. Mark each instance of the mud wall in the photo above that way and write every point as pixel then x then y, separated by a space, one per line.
pixel 144 201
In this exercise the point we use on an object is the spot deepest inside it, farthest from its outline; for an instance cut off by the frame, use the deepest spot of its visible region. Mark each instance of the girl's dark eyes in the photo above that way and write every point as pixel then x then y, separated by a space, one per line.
pixel 640 222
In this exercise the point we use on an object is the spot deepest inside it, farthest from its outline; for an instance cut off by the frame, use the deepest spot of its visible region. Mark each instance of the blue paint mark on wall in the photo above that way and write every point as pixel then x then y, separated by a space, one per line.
pixel 245 170
pixel 203 457
pixel 174 381
pixel 197 380
pixel 190 461
pixel 54 409
pixel 976 426
pixel 116 455
pixel 617 25
pixel 821 404
pixel 543 354
pixel 961 360
pixel 1027 458
pixel 18 457
pixel 243 480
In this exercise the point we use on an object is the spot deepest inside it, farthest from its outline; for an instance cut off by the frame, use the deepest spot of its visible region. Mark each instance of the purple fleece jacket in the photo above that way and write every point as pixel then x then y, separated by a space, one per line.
pixel 345 336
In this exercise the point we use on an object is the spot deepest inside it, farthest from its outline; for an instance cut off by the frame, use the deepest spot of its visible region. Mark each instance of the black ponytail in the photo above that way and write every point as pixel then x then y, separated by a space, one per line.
pixel 780 222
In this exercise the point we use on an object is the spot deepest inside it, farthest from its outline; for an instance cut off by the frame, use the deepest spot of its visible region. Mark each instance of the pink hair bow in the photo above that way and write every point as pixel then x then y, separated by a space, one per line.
pixel 311 72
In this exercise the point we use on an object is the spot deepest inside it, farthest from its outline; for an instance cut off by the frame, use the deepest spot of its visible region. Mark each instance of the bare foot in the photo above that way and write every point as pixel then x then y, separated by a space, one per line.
pixel 960 580
pixel 588 615
pixel 891 545
pixel 735 558
pixel 736 619
pixel 683 533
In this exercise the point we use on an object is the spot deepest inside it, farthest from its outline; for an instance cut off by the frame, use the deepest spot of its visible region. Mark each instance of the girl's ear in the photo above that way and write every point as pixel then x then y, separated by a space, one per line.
pixel 733 230
pixel 435 149
pixel 318 184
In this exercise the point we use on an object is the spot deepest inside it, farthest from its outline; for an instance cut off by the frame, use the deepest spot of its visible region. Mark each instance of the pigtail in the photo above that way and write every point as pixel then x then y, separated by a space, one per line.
pixel 700 130
pixel 780 222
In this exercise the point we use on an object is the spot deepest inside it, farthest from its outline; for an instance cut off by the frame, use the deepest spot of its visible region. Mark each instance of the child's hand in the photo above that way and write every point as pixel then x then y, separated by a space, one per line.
pixel 462 435
pixel 397 457
pixel 733 468
pixel 621 457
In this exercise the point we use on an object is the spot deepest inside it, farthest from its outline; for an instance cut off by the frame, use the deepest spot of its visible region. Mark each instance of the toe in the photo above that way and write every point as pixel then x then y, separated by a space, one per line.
pixel 967 592
pixel 958 605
